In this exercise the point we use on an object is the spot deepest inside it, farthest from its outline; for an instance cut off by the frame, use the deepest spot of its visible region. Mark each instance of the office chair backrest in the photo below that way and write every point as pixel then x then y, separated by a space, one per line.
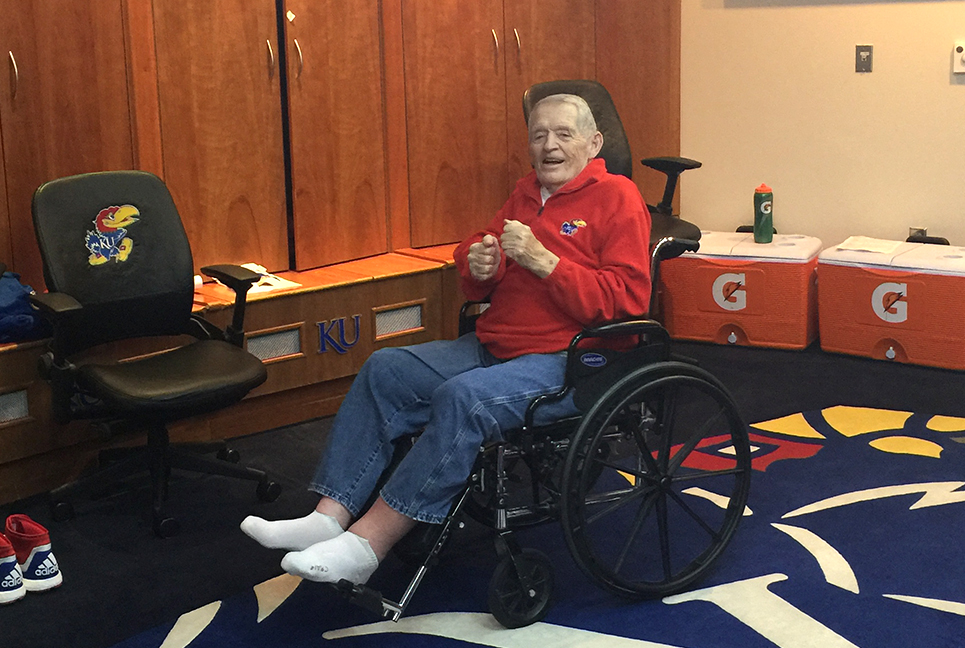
pixel 616 146
pixel 114 242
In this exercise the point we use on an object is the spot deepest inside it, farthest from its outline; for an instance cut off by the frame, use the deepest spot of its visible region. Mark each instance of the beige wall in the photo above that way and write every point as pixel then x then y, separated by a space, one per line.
pixel 769 94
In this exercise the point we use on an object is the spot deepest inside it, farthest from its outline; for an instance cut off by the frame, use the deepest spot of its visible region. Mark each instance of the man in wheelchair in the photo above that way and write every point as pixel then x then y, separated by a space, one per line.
pixel 568 250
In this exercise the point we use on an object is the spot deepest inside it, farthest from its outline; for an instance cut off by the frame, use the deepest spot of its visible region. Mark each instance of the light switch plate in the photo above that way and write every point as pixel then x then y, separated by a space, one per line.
pixel 863 58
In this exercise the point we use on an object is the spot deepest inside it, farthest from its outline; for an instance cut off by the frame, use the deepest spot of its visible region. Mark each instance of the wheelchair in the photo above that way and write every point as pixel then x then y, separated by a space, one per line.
pixel 648 482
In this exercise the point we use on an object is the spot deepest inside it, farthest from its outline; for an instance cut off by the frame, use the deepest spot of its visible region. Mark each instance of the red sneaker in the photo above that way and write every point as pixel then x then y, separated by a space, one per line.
pixel 11 578
pixel 31 542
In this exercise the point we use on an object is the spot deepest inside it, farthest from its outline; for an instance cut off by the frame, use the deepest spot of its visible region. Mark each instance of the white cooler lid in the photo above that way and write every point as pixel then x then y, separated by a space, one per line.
pixel 900 255
pixel 783 248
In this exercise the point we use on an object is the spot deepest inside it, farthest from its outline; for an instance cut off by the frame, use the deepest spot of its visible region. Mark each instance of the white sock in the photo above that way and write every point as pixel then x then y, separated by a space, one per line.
pixel 348 556
pixel 293 535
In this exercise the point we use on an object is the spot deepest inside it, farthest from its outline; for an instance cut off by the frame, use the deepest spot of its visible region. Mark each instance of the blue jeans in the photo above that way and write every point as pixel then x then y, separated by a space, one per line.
pixel 458 394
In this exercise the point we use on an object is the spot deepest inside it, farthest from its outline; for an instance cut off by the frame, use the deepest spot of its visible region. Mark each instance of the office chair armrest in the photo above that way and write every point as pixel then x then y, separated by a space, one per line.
pixel 234 276
pixel 56 306
pixel 240 281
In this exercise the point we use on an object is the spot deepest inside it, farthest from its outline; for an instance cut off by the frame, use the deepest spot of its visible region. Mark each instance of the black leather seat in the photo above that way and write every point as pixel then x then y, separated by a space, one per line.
pixel 118 266
pixel 616 152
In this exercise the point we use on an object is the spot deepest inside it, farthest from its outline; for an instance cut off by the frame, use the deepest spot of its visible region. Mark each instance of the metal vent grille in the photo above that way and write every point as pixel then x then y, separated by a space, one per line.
pixel 397 320
pixel 13 406
pixel 269 346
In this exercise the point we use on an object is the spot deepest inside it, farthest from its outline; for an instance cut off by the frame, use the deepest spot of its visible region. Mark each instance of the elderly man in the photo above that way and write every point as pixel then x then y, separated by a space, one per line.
pixel 569 249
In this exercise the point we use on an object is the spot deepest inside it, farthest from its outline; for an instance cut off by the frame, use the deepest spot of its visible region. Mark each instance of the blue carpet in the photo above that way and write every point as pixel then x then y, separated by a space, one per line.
pixel 853 538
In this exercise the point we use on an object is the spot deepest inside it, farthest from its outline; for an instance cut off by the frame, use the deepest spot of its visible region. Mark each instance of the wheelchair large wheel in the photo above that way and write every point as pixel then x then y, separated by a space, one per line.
pixel 656 481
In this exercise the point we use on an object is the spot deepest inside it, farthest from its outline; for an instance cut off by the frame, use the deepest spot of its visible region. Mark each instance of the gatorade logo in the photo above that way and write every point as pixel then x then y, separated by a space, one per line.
pixel 728 291
pixel 889 303
pixel 766 207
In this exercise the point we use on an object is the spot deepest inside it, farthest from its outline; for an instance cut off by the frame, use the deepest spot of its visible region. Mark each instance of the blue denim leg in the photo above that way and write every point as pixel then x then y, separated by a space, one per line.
pixel 389 398
pixel 467 411
pixel 457 393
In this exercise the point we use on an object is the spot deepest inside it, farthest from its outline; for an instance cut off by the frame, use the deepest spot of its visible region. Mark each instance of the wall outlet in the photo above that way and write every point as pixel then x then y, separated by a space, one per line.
pixel 958 57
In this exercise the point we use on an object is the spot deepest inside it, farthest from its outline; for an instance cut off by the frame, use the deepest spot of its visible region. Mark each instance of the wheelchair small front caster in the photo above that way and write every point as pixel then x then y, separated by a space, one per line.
pixel 61 511
pixel 166 527
pixel 268 491
pixel 521 588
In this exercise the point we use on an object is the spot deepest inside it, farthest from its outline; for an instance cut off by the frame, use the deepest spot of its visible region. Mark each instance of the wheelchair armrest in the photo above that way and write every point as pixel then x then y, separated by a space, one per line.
pixel 621 328
pixel 240 281
pixel 467 316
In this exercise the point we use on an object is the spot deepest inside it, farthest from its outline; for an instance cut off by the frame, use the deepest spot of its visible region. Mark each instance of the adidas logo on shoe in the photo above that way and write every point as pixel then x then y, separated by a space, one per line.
pixel 11 579
pixel 36 561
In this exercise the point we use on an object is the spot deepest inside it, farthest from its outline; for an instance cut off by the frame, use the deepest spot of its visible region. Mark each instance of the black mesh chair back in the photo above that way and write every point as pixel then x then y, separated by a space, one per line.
pixel 114 242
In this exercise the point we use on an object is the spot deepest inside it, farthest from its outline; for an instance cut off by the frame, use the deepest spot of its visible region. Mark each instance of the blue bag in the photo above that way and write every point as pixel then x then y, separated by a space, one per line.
pixel 18 320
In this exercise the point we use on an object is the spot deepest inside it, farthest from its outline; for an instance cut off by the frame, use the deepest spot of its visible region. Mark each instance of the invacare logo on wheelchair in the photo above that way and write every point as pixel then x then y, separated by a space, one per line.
pixel 849 539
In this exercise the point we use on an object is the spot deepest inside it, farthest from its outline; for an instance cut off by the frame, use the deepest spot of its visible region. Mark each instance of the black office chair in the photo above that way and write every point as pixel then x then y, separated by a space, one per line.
pixel 616 152
pixel 118 265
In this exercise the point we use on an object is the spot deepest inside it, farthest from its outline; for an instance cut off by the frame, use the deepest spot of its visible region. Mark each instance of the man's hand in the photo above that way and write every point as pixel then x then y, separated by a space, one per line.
pixel 524 248
pixel 483 258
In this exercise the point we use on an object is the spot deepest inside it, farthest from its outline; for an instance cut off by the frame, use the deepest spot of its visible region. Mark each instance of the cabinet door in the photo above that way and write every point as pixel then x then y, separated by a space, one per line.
pixel 337 131
pixel 221 129
pixel 64 107
pixel 455 116
pixel 547 40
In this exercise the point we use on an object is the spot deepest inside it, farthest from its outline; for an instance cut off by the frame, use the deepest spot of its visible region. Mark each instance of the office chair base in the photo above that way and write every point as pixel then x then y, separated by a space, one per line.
pixel 157 459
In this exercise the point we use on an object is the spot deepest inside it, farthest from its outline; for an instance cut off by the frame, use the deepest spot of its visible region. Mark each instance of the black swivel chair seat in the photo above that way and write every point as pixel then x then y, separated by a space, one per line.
pixel 118 266
pixel 616 152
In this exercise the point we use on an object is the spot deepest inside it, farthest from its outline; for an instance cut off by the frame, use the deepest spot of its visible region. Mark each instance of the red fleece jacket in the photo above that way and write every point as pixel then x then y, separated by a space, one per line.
pixel 599 227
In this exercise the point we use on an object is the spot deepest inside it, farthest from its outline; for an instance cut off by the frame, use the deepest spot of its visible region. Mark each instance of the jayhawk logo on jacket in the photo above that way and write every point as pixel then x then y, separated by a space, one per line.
pixel 108 240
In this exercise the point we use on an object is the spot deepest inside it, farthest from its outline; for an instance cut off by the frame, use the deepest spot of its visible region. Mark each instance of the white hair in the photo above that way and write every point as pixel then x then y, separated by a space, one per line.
pixel 585 122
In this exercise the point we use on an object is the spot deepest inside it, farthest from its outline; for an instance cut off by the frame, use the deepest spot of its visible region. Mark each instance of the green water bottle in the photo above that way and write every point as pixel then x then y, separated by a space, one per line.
pixel 763 214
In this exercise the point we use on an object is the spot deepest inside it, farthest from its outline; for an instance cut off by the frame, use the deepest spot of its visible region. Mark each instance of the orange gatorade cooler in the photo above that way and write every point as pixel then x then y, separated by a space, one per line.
pixel 893 300
pixel 736 291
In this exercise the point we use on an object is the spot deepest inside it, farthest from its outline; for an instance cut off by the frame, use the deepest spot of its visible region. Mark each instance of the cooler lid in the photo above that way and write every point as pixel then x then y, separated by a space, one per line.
pixel 900 255
pixel 864 251
pixel 784 247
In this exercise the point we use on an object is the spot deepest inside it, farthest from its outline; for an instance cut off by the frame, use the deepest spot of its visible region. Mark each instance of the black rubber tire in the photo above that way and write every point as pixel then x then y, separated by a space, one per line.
pixel 521 589
pixel 648 516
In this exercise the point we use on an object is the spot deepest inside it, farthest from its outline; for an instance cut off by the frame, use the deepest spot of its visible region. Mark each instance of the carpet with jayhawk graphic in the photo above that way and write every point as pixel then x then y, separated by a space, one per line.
pixel 851 537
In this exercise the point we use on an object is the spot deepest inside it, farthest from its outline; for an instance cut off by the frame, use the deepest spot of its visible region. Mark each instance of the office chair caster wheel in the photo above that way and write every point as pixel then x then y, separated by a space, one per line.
pixel 61 511
pixel 166 527
pixel 268 491
pixel 229 455
pixel 521 588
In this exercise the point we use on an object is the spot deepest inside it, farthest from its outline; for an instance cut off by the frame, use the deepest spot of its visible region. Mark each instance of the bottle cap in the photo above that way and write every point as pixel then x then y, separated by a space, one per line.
pixel 763 189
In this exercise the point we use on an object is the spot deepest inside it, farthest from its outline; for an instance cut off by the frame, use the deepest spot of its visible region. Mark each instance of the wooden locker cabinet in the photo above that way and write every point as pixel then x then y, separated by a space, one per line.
pixel 221 127
pixel 467 64
pixel 335 99
pixel 63 107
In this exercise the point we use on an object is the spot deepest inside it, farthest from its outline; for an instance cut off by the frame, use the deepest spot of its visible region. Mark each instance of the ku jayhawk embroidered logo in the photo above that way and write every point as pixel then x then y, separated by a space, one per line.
pixel 109 240
pixel 570 228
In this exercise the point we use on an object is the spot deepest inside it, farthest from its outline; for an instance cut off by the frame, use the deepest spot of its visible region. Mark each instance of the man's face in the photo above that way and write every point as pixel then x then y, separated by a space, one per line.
pixel 557 150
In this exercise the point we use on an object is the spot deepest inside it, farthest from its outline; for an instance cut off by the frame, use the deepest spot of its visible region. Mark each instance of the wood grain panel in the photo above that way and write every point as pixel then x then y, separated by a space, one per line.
pixel 68 112
pixel 221 127
pixel 142 81
pixel 556 41
pixel 638 60
pixel 337 130
pixel 456 117
pixel 396 147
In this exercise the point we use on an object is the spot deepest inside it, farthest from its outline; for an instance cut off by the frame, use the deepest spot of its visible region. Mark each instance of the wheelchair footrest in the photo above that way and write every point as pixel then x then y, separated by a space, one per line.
pixel 369 599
